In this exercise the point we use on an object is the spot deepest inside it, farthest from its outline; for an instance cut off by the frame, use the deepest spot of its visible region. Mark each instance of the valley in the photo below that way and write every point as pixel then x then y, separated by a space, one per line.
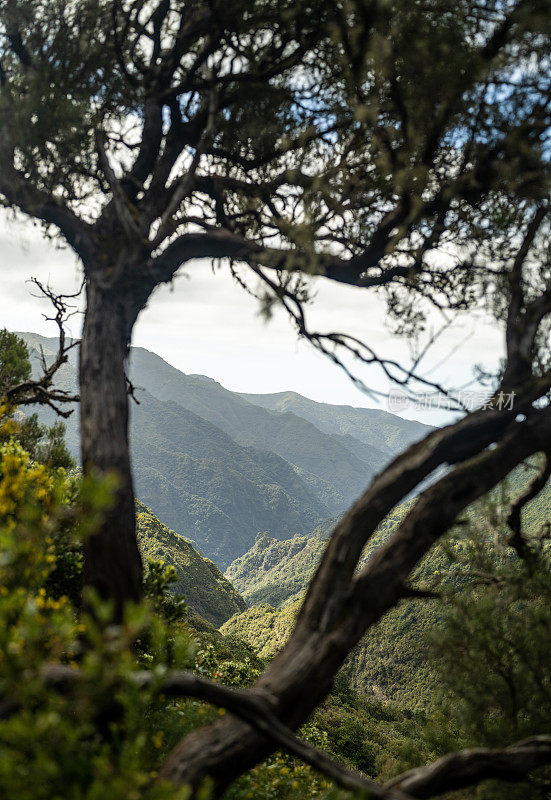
pixel 219 468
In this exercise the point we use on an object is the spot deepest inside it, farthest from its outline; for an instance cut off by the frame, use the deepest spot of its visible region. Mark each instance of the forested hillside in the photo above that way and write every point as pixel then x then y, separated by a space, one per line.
pixel 205 589
pixel 273 571
pixel 332 466
pixel 219 469
pixel 376 428
pixel 391 662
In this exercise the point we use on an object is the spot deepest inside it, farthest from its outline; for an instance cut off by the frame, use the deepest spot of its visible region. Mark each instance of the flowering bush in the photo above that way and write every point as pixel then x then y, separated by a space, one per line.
pixel 102 737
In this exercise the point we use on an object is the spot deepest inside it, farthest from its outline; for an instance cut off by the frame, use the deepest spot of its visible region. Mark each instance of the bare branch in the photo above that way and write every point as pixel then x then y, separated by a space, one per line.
pixel 42 391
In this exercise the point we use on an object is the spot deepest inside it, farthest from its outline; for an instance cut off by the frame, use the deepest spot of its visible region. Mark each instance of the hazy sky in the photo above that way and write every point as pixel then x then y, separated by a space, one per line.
pixel 207 324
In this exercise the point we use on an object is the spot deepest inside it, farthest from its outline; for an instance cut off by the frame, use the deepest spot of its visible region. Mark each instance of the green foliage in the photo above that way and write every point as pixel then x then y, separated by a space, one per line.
pixel 272 571
pixel 348 739
pixel 263 627
pixel 176 575
pixel 159 580
pixel 390 662
pixel 282 778
pixel 97 739
pixel 15 366
pixel 51 448
pixel 44 443
pixel 200 581
pixel 377 737
pixel 493 650
pixel 486 644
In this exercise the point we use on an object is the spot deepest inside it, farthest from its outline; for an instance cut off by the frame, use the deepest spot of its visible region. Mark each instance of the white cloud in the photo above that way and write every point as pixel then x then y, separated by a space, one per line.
pixel 207 324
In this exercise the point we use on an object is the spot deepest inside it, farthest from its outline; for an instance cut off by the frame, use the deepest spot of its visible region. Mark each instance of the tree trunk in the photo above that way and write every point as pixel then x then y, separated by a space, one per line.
pixel 113 565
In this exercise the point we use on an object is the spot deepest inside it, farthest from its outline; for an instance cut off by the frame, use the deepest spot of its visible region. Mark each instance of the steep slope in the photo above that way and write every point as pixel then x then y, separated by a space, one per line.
pixel 337 468
pixel 222 469
pixel 206 590
pixel 390 663
pixel 380 429
pixel 199 480
pixel 391 660
pixel 272 571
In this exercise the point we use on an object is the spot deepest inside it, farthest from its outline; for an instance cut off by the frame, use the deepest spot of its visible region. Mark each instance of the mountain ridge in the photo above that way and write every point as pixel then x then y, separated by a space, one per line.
pixel 219 469
pixel 206 590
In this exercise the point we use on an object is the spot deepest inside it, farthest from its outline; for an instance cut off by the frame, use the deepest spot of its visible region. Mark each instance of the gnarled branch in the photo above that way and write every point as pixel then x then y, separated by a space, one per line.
pixel 42 391
pixel 253 706
pixel 469 767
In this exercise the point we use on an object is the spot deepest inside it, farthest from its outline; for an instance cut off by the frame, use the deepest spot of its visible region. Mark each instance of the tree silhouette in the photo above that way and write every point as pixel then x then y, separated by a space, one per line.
pixel 397 147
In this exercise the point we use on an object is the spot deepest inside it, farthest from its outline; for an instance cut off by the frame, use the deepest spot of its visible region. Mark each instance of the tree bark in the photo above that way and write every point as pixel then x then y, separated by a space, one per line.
pixel 113 565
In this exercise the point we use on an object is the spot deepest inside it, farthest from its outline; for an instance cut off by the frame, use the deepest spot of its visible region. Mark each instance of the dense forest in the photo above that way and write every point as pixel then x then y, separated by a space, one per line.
pixel 400 699
pixel 208 594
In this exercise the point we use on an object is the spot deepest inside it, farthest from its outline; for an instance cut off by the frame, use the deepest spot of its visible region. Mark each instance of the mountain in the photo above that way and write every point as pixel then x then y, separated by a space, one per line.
pixel 273 571
pixel 380 430
pixel 197 479
pixel 206 590
pixel 389 663
pixel 337 468
pixel 203 483
pixel 219 469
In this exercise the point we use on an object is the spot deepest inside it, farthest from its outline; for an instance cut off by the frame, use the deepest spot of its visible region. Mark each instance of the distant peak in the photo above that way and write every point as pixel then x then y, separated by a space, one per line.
pixel 203 378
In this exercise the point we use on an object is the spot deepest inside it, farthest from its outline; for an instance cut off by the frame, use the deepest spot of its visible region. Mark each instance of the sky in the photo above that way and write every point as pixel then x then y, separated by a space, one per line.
pixel 205 323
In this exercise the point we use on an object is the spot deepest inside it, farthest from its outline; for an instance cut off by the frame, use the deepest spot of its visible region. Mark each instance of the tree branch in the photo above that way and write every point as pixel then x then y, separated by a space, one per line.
pixel 523 319
pixel 18 192
pixel 252 706
pixel 41 391
pixel 470 767
pixel 514 520
pixel 338 610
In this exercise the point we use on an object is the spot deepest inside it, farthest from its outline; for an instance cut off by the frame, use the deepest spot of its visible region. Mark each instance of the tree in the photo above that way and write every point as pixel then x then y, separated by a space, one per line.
pixel 398 147
pixel 490 652
pixel 44 444
pixel 15 366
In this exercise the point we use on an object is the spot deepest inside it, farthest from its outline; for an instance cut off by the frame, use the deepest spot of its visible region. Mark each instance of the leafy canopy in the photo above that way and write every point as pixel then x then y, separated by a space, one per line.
pixel 351 139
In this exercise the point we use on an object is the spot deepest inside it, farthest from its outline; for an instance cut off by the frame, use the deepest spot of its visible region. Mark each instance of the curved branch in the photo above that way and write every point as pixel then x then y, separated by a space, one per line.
pixel 470 767
pixel 18 192
pixel 514 520
pixel 253 706
pixel 339 609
